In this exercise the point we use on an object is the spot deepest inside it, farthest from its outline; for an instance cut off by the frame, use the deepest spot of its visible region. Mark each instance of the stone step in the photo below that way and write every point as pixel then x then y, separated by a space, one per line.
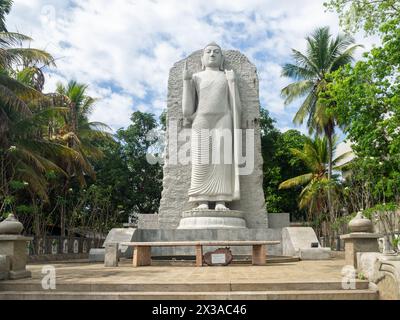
pixel 181 287
pixel 223 295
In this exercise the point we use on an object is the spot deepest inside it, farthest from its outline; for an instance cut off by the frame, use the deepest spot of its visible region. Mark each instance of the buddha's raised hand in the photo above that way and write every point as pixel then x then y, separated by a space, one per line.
pixel 186 74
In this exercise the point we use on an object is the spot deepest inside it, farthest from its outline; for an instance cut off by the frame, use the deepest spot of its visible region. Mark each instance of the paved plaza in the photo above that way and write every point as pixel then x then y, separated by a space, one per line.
pixel 184 281
pixel 301 271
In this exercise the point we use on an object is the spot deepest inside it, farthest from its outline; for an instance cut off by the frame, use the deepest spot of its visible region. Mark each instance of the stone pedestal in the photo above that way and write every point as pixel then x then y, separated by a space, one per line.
pixel 211 219
pixel 359 242
pixel 15 247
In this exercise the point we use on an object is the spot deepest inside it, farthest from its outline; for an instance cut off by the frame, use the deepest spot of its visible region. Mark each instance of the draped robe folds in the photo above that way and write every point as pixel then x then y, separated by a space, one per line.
pixel 212 102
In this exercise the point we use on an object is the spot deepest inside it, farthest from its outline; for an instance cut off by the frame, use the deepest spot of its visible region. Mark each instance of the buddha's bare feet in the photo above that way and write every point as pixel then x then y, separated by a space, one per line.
pixel 202 206
pixel 220 206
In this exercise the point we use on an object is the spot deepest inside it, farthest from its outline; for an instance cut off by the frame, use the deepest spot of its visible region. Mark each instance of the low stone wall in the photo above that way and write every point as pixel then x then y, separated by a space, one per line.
pixel 57 257
pixel 62 246
pixel 216 234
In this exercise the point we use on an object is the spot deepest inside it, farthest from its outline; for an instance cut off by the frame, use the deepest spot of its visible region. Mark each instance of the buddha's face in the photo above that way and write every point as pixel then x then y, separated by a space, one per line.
pixel 212 57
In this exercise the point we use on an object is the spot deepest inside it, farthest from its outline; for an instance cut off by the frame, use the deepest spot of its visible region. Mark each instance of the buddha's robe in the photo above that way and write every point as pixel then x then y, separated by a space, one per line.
pixel 216 108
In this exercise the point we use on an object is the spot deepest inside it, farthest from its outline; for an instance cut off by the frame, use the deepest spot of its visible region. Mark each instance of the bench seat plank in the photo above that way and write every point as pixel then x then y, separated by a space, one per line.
pixel 196 243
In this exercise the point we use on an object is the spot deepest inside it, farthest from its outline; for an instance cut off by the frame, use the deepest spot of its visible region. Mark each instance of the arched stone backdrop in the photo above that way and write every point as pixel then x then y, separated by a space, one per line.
pixel 176 181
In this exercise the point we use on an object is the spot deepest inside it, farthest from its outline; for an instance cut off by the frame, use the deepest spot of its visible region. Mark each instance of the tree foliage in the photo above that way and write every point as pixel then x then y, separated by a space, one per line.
pixel 369 15
pixel 324 54
pixel 145 177
pixel 315 156
pixel 366 101
pixel 279 165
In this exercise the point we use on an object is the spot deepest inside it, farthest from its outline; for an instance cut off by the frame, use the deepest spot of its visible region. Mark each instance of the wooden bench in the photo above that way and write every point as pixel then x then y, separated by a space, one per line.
pixel 142 250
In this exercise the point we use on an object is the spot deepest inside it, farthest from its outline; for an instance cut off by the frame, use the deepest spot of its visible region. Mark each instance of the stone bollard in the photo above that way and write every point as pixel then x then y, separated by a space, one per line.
pixel 361 239
pixel 111 255
pixel 14 246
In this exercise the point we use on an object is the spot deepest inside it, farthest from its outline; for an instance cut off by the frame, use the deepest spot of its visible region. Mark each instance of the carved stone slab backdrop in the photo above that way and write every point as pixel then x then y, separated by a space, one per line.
pixel 176 181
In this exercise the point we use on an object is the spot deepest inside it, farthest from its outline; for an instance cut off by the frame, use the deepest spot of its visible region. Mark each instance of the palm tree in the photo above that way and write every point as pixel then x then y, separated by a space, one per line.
pixel 15 94
pixel 5 8
pixel 324 54
pixel 315 155
pixel 27 153
pixel 79 134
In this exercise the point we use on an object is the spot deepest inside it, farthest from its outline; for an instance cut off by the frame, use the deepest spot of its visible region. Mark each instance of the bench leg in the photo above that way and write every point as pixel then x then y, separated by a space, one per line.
pixel 259 255
pixel 199 255
pixel 141 256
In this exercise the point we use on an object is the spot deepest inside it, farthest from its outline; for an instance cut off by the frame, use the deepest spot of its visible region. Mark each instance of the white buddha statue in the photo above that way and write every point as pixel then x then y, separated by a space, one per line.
pixel 211 102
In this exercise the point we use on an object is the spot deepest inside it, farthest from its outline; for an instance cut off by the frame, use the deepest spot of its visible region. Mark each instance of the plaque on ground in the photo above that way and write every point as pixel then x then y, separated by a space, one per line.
pixel 219 257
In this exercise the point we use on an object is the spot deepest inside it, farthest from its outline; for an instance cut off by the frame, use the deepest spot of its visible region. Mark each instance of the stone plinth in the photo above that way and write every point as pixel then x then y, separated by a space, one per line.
pixel 359 242
pixel 15 247
pixel 211 219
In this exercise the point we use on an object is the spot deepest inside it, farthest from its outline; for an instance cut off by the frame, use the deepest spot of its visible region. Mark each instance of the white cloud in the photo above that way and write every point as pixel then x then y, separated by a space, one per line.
pixel 124 48
pixel 113 109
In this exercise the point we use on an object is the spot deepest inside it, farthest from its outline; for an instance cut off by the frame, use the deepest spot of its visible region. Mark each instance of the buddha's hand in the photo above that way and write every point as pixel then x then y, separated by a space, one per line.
pixel 186 74
pixel 230 75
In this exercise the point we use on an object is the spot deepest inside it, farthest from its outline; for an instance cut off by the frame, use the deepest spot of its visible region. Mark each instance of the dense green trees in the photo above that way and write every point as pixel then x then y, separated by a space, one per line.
pixel 57 168
pixel 369 15
pixel 45 139
pixel 363 99
pixel 279 165
pixel 366 99
pixel 316 181
pixel 145 177
pixel 324 54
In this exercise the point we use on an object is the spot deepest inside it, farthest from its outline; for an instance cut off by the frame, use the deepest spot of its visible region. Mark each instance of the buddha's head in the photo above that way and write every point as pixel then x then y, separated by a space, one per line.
pixel 212 57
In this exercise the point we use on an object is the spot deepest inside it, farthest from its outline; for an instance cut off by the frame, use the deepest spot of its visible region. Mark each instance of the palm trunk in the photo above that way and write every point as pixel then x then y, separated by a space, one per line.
pixel 330 169
pixel 3 180
pixel 36 220
pixel 71 144
pixel 62 220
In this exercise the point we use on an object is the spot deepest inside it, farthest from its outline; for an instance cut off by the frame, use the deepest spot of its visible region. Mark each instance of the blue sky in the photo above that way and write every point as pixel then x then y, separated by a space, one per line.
pixel 123 49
